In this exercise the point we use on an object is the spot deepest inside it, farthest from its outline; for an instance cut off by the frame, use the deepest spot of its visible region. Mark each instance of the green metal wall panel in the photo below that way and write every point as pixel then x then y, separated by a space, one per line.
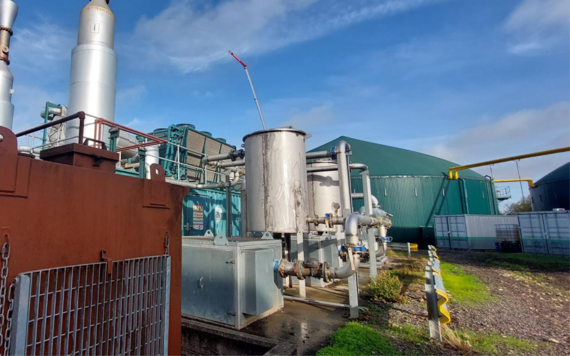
pixel 414 201
pixel 206 210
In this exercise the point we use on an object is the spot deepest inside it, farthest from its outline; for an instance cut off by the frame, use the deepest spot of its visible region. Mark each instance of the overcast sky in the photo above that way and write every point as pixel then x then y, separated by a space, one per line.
pixel 465 80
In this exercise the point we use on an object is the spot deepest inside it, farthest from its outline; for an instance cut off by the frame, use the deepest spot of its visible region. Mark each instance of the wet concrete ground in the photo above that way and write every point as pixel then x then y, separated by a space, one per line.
pixel 306 325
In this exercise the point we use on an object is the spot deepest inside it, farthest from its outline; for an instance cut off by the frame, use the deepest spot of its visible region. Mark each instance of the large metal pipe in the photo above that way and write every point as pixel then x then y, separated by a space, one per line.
pixel 238 163
pixel 93 80
pixel 347 270
pixel 8 14
pixel 152 157
pixel 342 151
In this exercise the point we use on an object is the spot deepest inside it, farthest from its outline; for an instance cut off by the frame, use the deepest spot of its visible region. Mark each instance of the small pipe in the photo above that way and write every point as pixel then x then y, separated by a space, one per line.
pixel 466 200
pixel 317 302
pixel 330 168
pixel 320 154
pixel 332 220
pixel 237 163
pixel 233 155
pixel 205 186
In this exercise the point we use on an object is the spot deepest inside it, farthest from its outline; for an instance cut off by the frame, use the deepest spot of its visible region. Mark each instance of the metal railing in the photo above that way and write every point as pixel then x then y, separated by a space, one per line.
pixel 436 296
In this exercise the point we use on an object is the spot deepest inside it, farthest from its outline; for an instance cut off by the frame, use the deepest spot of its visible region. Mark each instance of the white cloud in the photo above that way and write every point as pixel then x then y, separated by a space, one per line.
pixel 131 94
pixel 539 25
pixel 318 116
pixel 42 45
pixel 191 36
pixel 518 133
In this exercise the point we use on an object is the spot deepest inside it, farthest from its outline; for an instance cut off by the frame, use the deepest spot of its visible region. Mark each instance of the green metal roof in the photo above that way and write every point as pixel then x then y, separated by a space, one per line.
pixel 560 173
pixel 385 160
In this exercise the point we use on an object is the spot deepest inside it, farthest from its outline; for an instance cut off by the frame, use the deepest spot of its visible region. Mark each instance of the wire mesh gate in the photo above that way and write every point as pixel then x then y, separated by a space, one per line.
pixel 89 309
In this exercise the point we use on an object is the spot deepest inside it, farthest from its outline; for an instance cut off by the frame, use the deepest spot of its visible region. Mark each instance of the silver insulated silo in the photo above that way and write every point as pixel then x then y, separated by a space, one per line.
pixel 276 181
pixel 324 194
pixel 93 80
pixel 8 13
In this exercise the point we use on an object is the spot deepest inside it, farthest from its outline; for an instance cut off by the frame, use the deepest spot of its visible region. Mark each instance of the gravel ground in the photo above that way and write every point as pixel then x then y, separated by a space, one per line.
pixel 534 306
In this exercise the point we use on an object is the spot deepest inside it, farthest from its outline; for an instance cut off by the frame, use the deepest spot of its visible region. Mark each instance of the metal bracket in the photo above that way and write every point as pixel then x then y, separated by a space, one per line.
pixel 209 233
pixel 267 236
pixel 221 240
pixel 166 244
pixel 109 261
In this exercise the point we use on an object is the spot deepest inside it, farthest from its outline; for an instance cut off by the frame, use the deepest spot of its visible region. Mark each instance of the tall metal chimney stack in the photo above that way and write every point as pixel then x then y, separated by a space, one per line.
pixel 93 80
pixel 8 13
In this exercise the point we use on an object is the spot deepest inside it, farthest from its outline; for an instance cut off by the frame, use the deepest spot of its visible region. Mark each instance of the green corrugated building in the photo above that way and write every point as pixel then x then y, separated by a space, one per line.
pixel 414 188
pixel 552 191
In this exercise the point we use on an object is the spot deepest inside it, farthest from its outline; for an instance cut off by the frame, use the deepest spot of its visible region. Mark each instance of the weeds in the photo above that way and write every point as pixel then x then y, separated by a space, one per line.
pixel 385 287
pixel 454 339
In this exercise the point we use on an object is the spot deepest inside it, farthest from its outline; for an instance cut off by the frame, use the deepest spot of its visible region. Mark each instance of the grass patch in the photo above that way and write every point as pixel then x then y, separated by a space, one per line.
pixel 410 334
pixel 524 261
pixel 384 287
pixel 464 288
pixel 357 339
pixel 493 343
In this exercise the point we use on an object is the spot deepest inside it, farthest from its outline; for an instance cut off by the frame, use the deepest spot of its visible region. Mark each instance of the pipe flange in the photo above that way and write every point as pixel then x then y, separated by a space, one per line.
pixel 299 271
pixel 281 268
pixel 7 29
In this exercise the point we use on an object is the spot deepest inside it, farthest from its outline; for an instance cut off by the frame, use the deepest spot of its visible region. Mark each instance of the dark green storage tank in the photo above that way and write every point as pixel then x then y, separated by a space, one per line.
pixel 414 188
pixel 552 191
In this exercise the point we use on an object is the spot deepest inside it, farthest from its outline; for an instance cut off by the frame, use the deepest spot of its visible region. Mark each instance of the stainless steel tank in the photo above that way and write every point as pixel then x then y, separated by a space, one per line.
pixel 324 194
pixel 8 14
pixel 276 181
pixel 92 86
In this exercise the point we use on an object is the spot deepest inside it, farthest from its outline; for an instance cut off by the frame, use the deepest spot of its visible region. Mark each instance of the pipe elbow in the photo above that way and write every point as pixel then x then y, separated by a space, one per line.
pixel 343 147
pixel 351 229
pixel 346 270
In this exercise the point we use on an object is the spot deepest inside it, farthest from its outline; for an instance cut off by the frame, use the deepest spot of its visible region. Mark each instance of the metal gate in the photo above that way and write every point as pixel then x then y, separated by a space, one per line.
pixel 108 308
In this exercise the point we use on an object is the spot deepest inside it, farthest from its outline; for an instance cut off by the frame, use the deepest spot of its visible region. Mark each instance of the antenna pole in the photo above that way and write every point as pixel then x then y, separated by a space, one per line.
pixel 252 89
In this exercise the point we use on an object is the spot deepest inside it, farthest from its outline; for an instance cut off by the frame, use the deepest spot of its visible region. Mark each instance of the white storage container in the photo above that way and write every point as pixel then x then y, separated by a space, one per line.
pixel 469 232
pixel 545 232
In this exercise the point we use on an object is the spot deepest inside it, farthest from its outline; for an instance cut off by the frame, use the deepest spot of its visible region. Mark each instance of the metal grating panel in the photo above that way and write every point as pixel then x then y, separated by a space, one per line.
pixel 212 148
pixel 194 142
pixel 83 309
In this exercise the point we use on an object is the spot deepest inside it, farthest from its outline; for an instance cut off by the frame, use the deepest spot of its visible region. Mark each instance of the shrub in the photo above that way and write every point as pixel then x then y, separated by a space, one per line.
pixel 385 287
pixel 357 339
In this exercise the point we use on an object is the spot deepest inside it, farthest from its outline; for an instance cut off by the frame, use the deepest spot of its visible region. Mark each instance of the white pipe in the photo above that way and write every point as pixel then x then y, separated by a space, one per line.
pixel 206 186
pixel 342 151
pixel 319 154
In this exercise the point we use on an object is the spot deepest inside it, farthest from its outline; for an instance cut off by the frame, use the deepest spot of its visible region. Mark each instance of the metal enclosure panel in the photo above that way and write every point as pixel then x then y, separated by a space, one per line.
pixel 258 293
pixel 235 287
pixel 213 213
pixel 324 193
pixel 545 232
pixel 208 283
pixel 532 233
pixel 557 229
pixel 458 232
pixel 482 232
pixel 276 181
pixel 442 236
pixel 212 148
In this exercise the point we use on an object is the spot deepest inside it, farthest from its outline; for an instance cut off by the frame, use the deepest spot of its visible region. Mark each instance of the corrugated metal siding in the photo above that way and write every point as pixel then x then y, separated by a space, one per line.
pixel 210 200
pixel 545 232
pixel 469 232
pixel 414 201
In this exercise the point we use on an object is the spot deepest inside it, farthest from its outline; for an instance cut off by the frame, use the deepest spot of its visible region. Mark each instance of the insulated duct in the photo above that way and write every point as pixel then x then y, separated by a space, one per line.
pixel 8 14
pixel 93 79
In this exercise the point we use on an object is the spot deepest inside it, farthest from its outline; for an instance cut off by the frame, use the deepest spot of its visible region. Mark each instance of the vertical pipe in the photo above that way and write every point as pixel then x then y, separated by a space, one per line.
pixel 9 12
pixel 229 215
pixel 344 177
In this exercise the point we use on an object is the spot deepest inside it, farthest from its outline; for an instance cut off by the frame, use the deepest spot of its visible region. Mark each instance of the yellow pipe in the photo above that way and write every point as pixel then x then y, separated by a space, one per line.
pixel 454 171
pixel 528 180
